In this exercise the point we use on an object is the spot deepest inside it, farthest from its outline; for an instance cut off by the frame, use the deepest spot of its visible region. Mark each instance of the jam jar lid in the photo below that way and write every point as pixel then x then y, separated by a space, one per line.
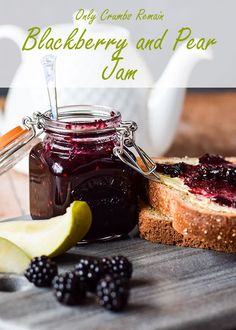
pixel 15 145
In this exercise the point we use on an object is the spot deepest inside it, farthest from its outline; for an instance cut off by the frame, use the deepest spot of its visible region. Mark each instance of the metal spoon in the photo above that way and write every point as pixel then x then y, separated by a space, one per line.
pixel 49 65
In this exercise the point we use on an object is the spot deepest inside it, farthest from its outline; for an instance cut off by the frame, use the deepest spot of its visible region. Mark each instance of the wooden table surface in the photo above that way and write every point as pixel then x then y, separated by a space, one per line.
pixel 173 288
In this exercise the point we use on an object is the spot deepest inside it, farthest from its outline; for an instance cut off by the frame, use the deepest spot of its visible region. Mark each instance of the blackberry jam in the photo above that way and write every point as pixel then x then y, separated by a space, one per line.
pixel 75 161
pixel 213 177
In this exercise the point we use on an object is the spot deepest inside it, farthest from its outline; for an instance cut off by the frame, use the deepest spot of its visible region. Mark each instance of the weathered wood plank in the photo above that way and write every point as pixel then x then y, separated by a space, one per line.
pixel 20 187
pixel 9 205
pixel 173 288
pixel 207 125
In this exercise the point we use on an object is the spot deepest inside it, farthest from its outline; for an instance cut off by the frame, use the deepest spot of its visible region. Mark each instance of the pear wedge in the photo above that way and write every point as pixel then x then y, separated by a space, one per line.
pixel 12 258
pixel 50 237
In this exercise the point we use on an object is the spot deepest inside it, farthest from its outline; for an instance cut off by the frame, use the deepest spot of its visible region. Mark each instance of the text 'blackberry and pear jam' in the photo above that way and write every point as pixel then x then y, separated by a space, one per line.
pixel 75 161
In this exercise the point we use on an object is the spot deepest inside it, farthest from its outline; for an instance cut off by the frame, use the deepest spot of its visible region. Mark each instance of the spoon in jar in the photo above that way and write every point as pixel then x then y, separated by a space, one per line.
pixel 49 66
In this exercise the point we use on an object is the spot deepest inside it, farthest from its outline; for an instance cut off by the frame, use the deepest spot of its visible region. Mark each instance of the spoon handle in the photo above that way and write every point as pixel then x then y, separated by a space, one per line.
pixel 49 66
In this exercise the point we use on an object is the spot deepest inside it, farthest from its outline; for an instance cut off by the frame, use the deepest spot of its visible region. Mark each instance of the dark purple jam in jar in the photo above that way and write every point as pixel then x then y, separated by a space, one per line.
pixel 75 161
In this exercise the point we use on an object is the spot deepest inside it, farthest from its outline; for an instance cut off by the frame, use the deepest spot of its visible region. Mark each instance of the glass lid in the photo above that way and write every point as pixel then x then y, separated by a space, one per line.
pixel 15 145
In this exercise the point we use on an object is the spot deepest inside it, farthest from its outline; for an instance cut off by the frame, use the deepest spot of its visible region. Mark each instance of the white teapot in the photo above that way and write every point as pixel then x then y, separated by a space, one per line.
pixel 155 110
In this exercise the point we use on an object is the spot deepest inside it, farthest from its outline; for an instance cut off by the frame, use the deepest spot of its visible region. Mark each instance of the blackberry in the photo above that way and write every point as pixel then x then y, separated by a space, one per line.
pixel 173 170
pixel 113 292
pixel 118 265
pixel 223 201
pixel 212 159
pixel 41 271
pixel 107 266
pixel 68 289
pixel 231 176
pixel 89 270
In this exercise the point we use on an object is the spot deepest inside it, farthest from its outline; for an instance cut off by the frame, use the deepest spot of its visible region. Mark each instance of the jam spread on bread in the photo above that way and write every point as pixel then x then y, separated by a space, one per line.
pixel 214 177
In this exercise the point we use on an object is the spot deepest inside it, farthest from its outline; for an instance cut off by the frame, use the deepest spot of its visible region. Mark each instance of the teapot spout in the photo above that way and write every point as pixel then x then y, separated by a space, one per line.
pixel 180 66
pixel 166 98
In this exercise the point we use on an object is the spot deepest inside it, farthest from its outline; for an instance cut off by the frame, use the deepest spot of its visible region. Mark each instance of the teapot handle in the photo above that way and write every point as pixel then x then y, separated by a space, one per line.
pixel 13 33
pixel 17 35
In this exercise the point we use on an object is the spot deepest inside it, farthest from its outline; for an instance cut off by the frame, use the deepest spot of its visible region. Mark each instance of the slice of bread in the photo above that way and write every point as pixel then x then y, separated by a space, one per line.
pixel 193 216
pixel 157 228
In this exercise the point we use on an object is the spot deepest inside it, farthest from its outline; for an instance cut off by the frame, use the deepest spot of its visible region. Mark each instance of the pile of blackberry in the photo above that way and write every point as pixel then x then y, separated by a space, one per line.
pixel 106 278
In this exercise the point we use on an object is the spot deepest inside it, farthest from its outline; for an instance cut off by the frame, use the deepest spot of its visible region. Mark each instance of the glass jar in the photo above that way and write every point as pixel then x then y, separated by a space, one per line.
pixel 85 155
pixel 75 161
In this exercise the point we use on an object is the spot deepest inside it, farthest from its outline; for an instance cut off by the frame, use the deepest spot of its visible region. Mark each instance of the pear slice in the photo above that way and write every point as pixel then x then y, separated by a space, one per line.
pixel 50 237
pixel 12 258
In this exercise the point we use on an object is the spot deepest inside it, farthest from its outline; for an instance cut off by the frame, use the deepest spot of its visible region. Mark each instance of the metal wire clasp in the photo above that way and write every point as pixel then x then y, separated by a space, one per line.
pixel 126 136
pixel 33 123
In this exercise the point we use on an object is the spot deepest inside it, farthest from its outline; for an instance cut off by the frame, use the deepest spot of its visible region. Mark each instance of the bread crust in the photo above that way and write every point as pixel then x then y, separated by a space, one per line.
pixel 157 228
pixel 192 220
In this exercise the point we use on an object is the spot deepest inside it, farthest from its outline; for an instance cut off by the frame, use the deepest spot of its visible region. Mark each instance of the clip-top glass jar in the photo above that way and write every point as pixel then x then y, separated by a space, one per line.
pixel 75 161
pixel 84 155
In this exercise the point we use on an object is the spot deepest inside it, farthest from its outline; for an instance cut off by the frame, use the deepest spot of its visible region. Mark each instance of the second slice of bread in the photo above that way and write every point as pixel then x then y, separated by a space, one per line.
pixel 157 228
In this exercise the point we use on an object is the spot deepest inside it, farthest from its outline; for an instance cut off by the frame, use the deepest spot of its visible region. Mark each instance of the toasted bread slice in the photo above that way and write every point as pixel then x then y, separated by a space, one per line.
pixel 157 228
pixel 192 215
